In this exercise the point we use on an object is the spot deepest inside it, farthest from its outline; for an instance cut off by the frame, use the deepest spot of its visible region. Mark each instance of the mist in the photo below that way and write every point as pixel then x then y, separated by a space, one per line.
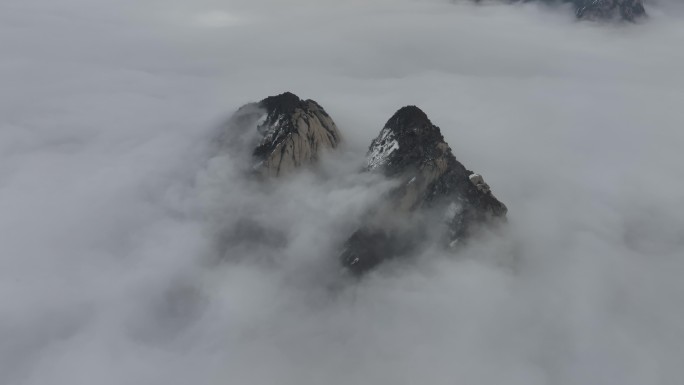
pixel 121 259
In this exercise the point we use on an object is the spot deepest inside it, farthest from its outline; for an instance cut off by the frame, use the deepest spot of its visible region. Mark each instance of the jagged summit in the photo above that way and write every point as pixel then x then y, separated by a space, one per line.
pixel 408 139
pixel 294 131
pixel 285 132
pixel 409 117
pixel 412 150
pixel 286 102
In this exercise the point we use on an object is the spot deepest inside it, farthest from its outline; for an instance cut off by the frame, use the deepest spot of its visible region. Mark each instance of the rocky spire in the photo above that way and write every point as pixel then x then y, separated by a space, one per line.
pixel 284 131
pixel 294 132
pixel 411 150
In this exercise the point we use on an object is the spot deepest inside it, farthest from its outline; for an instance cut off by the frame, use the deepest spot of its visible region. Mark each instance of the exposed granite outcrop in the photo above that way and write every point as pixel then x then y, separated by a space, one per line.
pixel 285 132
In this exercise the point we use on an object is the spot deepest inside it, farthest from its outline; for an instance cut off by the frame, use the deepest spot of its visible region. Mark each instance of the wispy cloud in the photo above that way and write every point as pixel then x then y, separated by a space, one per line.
pixel 109 207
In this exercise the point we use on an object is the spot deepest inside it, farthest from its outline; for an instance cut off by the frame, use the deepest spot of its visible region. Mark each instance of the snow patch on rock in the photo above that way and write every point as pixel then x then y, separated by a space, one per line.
pixel 381 149
pixel 479 182
pixel 271 132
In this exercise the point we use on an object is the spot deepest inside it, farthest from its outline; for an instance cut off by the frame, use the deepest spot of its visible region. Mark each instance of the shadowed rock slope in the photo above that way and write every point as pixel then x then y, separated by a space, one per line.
pixel 435 192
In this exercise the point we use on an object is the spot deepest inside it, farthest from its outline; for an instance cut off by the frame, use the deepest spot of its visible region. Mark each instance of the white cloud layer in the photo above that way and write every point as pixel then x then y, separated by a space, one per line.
pixel 109 208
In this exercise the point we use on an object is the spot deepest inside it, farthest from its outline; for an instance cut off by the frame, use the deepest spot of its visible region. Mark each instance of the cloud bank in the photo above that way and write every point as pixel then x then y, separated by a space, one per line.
pixel 111 206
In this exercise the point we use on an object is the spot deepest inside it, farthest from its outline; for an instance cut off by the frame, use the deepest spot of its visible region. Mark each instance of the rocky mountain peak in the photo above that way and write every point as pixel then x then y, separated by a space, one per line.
pixel 412 150
pixel 286 102
pixel 408 139
pixel 294 132
pixel 435 198
pixel 409 118
pixel 285 132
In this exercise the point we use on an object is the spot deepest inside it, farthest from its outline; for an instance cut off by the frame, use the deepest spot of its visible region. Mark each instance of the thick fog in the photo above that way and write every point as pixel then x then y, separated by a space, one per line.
pixel 124 257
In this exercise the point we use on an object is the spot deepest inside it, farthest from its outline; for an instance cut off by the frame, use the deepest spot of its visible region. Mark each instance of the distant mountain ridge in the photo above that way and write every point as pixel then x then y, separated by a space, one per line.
pixel 609 9
pixel 629 10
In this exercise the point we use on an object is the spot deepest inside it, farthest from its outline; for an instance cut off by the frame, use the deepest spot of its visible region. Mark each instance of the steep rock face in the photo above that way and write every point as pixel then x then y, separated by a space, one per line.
pixel 290 133
pixel 411 150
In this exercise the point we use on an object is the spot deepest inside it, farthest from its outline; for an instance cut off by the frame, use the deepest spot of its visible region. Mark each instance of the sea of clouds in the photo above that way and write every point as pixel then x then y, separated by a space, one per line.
pixel 122 259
